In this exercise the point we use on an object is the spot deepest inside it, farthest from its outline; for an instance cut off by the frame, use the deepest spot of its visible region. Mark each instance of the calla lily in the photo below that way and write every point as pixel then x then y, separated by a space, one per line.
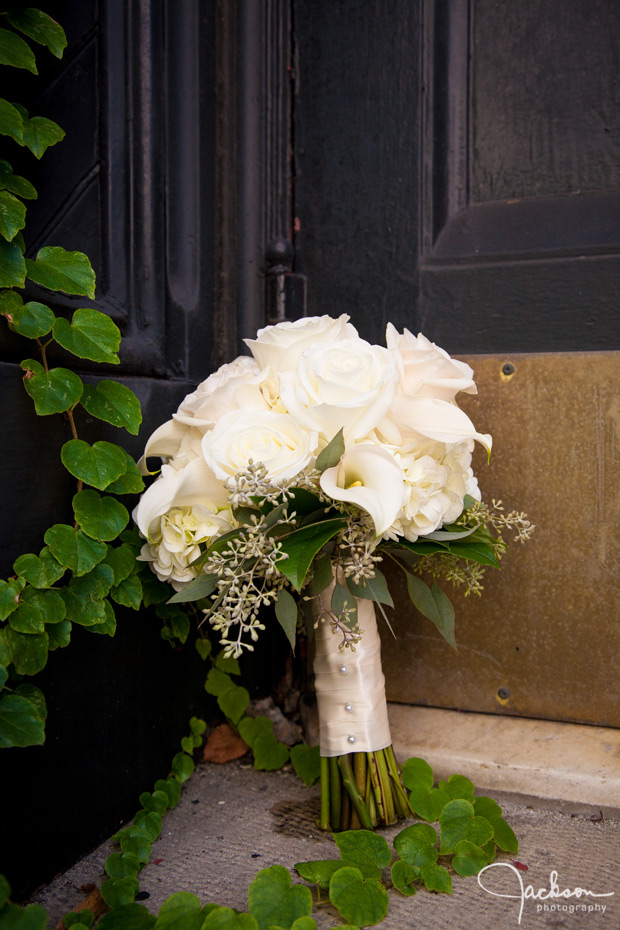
pixel 194 484
pixel 371 478
pixel 164 443
pixel 435 419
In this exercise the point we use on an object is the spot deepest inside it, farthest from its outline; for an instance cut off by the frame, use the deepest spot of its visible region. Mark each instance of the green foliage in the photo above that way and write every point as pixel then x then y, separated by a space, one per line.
pixel 274 902
pixel 306 762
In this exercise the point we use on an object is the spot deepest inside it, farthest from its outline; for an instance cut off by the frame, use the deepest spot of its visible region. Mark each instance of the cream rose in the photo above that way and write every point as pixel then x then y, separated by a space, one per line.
pixel 350 384
pixel 235 386
pixel 283 446
pixel 425 368
pixel 280 346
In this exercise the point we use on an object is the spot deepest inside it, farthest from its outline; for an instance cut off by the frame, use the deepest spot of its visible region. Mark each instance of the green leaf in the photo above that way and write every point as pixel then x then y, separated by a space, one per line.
pixel 122 561
pixel 3 676
pixel 225 918
pixel 203 648
pixel 59 270
pixel 374 589
pixel 15 52
pixel 100 517
pixel 79 920
pixel 99 464
pixel 12 264
pixel 31 917
pixel 200 587
pixel 302 546
pixel 149 823
pixel 269 754
pixel 359 900
pixel 234 703
pixel 218 682
pixel 59 634
pixel 416 845
pixel 122 865
pixel 40 27
pixel 468 858
pixel 181 911
pixel 187 745
pixel 306 762
pixel 108 626
pixel 434 605
pixel 157 801
pixel 136 842
pixel 28 651
pixel 31 320
pixel 15 183
pixel 74 549
pixel 115 403
pixel 322 574
pixel 84 609
pixel 227 664
pixel 12 215
pixel 182 766
pixel 9 596
pixel 22 717
pixel 91 334
pixel 318 871
pixel 250 728
pixel 458 822
pixel 130 917
pixel 475 552
pixel 39 133
pixel 342 602
pixel 332 453
pixel 52 391
pixel 35 609
pixel 417 774
pixel 286 613
pixel 128 593
pixel 171 787
pixel 436 878
pixel 367 851
pixel 120 891
pixel 458 786
pixel 503 833
pixel 11 123
pixel 403 876
pixel 272 900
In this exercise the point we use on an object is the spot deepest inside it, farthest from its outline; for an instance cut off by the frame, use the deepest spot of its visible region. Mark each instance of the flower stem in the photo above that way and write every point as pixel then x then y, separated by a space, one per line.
pixel 324 823
pixel 386 787
pixel 350 783
pixel 401 800
pixel 335 794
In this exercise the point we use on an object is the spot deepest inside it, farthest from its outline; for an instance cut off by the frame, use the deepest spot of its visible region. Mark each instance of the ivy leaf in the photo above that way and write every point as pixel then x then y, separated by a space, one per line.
pixel 100 517
pixel 52 391
pixel 361 901
pixel 59 270
pixel 306 762
pixel 365 850
pixel 31 320
pixel 22 717
pixel 74 549
pixel 269 754
pixel 15 52
pixel 135 842
pixel 250 728
pixel 99 464
pixel 468 858
pixel 28 651
pixel 225 918
pixel 129 917
pixel 403 876
pixel 12 215
pixel 171 787
pixel 416 845
pixel 203 648
pixel 234 703
pixel 12 264
pixel 38 134
pixel 434 605
pixel 149 823
pixel 458 822
pixel 114 403
pixel 417 774
pixel 181 911
pixel 128 593
pixel 157 801
pixel 503 833
pixel 374 589
pixel 40 27
pixel 274 902
pixel 286 613
pixel 15 183
pixel 182 766
pixel 120 891
pixel 218 682
pixel 227 664
pixel 90 334
pixel 332 453
pixel 436 878
pixel 301 546
pixel 457 786
pixel 122 561
pixel 11 122
pixel 9 596
pixel 36 609
pixel 59 635
pixel 318 871
pixel 131 482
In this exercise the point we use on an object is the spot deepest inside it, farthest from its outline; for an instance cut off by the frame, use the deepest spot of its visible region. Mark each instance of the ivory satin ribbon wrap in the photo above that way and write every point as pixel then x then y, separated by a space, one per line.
pixel 350 688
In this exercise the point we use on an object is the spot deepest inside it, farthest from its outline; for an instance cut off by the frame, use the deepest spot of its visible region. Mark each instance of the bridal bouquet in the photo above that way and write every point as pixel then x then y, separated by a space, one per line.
pixel 288 477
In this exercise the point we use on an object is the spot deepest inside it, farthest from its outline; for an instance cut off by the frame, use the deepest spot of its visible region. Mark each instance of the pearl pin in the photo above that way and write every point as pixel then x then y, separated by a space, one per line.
pixel 348 708
pixel 343 670
pixel 350 739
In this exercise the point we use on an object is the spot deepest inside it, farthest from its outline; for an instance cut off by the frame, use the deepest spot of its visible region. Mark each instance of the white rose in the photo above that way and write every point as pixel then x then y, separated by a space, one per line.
pixel 347 384
pixel 283 446
pixel 234 386
pixel 425 368
pixel 281 345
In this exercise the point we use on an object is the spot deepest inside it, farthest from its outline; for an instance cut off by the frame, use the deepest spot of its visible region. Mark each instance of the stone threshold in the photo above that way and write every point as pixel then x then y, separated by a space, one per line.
pixel 542 759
